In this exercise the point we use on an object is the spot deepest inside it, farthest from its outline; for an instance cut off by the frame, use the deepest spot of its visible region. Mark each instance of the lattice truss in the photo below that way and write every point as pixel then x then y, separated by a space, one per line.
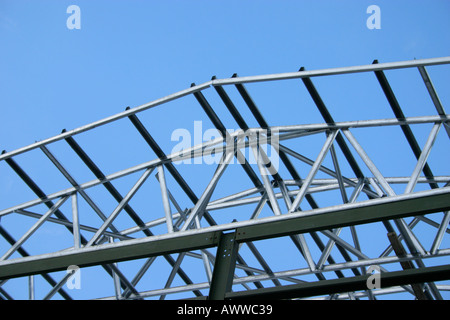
pixel 293 195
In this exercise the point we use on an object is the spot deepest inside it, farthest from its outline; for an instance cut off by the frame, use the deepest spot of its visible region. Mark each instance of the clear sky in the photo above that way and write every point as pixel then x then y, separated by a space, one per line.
pixel 131 52
pixel 127 53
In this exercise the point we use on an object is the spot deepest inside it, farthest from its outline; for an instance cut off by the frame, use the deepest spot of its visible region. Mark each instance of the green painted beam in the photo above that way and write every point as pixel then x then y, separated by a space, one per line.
pixel 107 253
pixel 223 272
pixel 310 289
pixel 346 215
pixel 271 227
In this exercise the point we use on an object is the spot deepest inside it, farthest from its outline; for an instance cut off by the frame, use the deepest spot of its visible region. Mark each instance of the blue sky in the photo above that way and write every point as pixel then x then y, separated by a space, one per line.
pixel 131 52
pixel 128 53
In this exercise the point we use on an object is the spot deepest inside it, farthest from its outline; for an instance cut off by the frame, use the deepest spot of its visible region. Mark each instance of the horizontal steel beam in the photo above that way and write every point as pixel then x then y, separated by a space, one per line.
pixel 360 124
pixel 387 279
pixel 306 221
pixel 333 71
pixel 108 253
pixel 348 214
pixel 289 274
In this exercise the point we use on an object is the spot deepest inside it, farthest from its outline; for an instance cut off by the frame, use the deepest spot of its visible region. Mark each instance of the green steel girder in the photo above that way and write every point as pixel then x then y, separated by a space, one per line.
pixel 107 253
pixel 309 289
pixel 223 272
pixel 277 226
pixel 347 216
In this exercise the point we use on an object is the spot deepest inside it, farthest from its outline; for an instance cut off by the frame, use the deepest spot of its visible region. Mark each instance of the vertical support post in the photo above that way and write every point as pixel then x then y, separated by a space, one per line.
pixel 223 272
pixel 31 287
pixel 76 221
pixel 116 277
pixel 165 198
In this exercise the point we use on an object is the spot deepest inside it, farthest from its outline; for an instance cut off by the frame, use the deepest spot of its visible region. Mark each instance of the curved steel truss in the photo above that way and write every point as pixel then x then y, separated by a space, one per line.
pixel 307 210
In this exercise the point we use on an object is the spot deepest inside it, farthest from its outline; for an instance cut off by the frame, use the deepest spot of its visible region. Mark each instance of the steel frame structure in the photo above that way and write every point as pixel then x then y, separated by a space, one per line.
pixel 234 263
